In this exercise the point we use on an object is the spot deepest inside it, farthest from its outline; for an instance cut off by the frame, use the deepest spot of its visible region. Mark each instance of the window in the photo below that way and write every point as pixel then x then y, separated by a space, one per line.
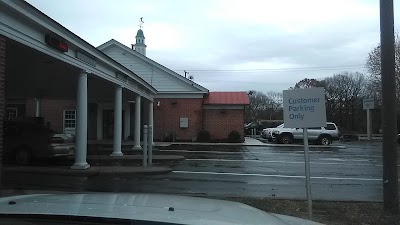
pixel 330 127
pixel 11 113
pixel 69 118
pixel 315 128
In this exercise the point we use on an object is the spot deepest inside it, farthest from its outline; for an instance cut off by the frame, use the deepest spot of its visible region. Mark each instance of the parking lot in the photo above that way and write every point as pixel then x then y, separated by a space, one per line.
pixel 350 172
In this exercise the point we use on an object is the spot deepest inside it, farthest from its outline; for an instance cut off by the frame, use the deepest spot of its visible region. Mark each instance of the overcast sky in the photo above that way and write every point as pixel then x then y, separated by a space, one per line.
pixel 228 45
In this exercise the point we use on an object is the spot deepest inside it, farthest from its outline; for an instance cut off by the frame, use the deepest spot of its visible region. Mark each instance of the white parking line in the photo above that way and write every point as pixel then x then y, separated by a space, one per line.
pixel 345 160
pixel 210 152
pixel 298 154
pixel 278 176
pixel 274 161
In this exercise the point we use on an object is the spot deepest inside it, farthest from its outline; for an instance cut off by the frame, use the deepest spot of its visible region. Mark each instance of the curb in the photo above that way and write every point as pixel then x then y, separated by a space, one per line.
pixel 91 171
pixel 262 145
pixel 298 145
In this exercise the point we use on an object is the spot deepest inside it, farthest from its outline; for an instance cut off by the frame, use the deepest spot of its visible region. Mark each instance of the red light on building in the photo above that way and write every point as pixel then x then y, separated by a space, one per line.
pixel 63 46
pixel 56 43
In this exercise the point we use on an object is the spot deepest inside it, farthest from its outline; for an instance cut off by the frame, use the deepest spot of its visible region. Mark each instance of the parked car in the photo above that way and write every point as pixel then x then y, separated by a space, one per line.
pixel 320 135
pixel 261 125
pixel 266 133
pixel 253 126
pixel 25 141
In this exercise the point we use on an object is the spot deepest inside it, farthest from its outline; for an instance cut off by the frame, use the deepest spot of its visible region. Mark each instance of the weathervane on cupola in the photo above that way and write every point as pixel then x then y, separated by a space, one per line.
pixel 140 45
pixel 141 22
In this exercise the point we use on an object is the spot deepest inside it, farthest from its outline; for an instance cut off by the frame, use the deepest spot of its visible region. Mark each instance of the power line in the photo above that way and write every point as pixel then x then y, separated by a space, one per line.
pixel 294 69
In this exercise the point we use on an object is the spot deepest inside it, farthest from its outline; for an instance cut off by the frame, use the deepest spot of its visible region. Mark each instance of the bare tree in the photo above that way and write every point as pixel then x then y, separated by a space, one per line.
pixel 308 83
pixel 276 98
pixel 259 103
pixel 264 106
pixel 344 93
pixel 374 69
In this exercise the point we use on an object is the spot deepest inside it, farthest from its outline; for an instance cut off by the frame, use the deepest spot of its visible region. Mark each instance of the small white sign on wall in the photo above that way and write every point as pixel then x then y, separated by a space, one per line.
pixel 303 108
pixel 184 122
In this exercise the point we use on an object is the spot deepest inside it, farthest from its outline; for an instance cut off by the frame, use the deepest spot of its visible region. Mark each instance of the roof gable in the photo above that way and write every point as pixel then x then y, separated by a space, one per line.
pixel 227 98
pixel 159 76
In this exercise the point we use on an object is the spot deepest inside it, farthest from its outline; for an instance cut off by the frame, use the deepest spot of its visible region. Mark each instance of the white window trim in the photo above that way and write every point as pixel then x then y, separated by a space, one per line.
pixel 64 113
pixel 16 113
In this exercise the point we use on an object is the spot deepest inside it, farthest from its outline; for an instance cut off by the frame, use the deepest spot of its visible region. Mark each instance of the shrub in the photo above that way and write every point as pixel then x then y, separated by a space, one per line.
pixel 203 136
pixel 234 137
pixel 168 137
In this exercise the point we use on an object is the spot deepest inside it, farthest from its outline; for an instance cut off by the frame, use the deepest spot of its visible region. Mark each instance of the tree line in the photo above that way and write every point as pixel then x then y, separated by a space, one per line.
pixel 344 93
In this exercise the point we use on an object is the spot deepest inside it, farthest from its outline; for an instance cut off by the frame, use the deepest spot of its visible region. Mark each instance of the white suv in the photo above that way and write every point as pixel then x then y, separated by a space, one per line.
pixel 320 135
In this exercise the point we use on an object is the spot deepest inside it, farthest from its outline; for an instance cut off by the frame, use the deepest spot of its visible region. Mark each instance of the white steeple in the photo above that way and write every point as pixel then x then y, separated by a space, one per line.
pixel 140 46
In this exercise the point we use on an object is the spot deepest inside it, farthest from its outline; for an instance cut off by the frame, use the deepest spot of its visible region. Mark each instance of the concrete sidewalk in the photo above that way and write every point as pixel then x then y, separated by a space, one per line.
pixel 125 143
pixel 92 171
pixel 247 142
pixel 138 158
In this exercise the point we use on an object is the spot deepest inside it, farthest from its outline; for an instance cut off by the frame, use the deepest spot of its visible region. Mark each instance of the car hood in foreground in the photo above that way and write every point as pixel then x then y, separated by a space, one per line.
pixel 148 207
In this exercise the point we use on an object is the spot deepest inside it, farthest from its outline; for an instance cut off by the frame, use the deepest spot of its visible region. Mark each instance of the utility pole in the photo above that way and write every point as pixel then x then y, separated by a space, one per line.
pixel 390 173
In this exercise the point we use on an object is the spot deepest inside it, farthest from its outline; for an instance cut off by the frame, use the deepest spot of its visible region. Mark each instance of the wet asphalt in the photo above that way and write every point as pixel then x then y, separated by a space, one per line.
pixel 353 173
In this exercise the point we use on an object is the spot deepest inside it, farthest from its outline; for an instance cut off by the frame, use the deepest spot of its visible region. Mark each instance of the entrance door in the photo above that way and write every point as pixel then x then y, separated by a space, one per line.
pixel 108 124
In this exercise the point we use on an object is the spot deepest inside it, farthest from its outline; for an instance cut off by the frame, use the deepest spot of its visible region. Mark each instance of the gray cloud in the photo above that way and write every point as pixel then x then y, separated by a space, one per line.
pixel 210 41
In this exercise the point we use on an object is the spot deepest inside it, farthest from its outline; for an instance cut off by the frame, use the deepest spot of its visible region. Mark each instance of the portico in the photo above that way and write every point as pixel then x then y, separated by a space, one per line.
pixel 72 72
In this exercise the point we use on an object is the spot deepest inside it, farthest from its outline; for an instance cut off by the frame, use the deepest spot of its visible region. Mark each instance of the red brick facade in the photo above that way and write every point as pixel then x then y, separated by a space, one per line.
pixel 52 110
pixel 2 87
pixel 167 117
pixel 220 122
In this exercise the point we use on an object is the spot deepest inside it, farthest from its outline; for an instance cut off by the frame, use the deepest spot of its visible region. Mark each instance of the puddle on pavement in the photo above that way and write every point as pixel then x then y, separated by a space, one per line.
pixel 204 148
pixel 230 167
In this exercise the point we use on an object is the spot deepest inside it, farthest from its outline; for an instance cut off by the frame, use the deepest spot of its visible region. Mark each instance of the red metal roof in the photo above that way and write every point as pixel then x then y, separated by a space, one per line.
pixel 226 98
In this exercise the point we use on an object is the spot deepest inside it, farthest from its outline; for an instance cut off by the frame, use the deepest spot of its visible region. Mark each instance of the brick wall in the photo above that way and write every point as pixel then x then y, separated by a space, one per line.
pixel 2 83
pixel 221 122
pixel 167 117
pixel 52 110
pixel 30 107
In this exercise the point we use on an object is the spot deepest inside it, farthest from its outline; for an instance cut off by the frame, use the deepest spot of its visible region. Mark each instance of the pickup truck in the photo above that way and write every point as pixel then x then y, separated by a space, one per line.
pixel 320 135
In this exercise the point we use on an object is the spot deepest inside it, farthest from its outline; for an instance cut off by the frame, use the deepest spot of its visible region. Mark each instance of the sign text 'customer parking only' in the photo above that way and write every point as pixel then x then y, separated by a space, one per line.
pixel 304 108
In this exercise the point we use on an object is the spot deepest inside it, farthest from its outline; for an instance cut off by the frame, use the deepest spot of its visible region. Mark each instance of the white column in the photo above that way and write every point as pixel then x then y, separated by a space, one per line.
pixel 127 122
pixel 37 107
pixel 81 123
pixel 99 122
pixel 136 145
pixel 151 121
pixel 117 122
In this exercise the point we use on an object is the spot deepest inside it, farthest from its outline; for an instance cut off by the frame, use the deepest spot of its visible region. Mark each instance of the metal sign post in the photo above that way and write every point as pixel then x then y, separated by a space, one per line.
pixel 307 168
pixel 145 133
pixel 368 104
pixel 150 146
pixel 304 108
pixel 369 127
